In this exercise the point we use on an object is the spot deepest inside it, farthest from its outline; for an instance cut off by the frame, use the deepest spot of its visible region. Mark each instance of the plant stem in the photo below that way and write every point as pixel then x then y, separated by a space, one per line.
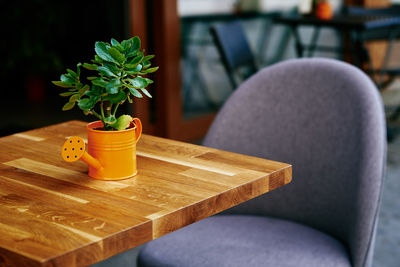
pixel 102 111
pixel 115 109
pixel 96 114
pixel 108 109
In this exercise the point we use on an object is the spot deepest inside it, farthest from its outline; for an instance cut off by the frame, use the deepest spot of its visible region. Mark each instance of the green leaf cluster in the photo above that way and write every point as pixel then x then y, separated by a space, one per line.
pixel 118 73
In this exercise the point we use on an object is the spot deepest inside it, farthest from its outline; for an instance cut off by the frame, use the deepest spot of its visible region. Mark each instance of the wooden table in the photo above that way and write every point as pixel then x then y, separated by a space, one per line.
pixel 52 213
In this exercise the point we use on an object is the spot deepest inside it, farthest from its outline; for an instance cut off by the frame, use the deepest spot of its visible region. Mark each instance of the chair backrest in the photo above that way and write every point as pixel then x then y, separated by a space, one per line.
pixel 325 117
pixel 234 49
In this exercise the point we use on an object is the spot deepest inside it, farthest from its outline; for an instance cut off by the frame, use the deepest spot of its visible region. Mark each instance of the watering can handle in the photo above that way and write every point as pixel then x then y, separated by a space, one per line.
pixel 138 130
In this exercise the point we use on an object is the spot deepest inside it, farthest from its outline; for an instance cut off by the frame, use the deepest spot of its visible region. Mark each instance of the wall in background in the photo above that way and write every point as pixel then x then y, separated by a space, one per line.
pixel 191 7
pixel 40 39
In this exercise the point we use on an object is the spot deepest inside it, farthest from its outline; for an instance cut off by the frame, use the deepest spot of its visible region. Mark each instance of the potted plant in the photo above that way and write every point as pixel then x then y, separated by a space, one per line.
pixel 116 75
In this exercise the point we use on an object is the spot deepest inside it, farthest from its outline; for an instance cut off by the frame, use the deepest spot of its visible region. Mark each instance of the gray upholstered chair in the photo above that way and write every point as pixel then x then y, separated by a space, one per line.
pixel 326 118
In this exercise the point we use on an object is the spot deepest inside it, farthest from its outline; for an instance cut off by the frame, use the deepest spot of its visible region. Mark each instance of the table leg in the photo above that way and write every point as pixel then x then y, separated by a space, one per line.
pixel 314 39
pixel 297 40
pixel 361 55
pixel 358 49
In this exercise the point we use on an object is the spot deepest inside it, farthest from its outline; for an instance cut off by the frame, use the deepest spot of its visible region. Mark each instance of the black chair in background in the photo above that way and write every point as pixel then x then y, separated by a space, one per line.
pixel 234 50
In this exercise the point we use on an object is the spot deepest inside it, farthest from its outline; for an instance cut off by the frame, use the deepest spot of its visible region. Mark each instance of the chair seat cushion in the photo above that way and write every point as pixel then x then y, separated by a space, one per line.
pixel 241 240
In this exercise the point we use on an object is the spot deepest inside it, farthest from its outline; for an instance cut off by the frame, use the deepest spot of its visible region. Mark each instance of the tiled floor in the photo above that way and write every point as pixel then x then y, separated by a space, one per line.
pixel 387 250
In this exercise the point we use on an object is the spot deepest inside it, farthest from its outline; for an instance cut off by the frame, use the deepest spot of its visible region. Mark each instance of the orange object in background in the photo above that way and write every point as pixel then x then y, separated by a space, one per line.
pixel 112 154
pixel 323 10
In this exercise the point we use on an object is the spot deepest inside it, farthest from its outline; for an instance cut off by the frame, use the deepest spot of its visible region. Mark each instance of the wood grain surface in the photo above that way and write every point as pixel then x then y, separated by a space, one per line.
pixel 53 214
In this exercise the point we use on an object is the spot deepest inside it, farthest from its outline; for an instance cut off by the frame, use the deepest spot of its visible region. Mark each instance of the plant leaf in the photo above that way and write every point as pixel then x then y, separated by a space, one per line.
pixel 87 103
pixel 146 64
pixel 136 60
pixel 100 82
pixel 67 93
pixel 101 51
pixel 72 73
pixel 117 45
pixel 132 69
pixel 148 57
pixel 95 91
pixel 122 122
pixel 66 78
pixel 116 98
pixel 61 84
pixel 114 42
pixel 135 92
pixel 139 82
pixel 146 92
pixel 116 55
pixel 125 44
pixel 90 66
pixel 134 46
pixel 74 98
pixel 68 106
pixel 120 48
pixel 110 119
pixel 78 69
pixel 113 68
pixel 97 59
pixel 106 71
pixel 150 70
pixel 111 90
pixel 113 85
pixel 83 90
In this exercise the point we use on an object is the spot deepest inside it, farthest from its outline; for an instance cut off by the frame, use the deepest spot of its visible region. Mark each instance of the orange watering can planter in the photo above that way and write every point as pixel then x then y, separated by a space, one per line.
pixel 112 154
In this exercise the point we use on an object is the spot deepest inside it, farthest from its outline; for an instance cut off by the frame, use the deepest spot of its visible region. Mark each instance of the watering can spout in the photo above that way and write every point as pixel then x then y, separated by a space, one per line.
pixel 74 149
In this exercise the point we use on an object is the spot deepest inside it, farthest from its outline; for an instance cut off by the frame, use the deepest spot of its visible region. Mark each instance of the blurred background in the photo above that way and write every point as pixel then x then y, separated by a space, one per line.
pixel 41 38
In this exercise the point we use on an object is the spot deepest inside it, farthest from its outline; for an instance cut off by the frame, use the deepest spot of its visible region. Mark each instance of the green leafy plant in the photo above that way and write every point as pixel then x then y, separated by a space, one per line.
pixel 119 70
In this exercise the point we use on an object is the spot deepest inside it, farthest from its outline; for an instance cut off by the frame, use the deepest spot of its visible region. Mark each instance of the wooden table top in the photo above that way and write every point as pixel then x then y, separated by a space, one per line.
pixel 52 213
